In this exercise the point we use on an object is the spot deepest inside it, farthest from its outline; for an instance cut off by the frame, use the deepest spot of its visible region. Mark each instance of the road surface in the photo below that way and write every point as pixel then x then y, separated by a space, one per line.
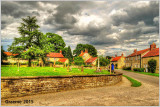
pixel 152 80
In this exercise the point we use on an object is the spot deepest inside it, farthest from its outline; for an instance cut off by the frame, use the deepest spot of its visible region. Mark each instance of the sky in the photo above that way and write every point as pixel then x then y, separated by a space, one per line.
pixel 112 27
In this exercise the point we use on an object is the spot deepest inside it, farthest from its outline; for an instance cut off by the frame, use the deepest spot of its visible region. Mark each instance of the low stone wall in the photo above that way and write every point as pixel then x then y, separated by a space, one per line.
pixel 21 86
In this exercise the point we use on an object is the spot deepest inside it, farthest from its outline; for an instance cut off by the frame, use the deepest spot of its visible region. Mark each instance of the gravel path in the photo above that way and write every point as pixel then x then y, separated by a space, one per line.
pixel 121 94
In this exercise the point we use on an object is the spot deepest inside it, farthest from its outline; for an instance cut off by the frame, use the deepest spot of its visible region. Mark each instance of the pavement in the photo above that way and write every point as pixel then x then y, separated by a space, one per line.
pixel 121 94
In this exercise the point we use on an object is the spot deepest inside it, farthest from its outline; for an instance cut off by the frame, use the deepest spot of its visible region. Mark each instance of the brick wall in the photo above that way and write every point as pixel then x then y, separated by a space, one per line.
pixel 22 86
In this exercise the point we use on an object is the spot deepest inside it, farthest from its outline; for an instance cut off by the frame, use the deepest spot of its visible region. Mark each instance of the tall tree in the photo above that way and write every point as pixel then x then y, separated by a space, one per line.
pixel 67 53
pixel 30 36
pixel 55 41
pixel 91 49
pixel 3 55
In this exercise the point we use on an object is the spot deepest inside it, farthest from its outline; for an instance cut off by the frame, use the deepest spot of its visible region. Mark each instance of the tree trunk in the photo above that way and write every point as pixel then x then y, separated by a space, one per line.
pixel 29 62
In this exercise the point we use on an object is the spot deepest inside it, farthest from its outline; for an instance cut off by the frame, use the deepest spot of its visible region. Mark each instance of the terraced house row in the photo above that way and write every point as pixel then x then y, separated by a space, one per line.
pixel 138 59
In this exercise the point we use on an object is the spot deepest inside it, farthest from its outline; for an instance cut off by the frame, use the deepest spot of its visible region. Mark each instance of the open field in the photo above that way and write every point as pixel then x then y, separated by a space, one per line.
pixel 146 73
pixel 45 71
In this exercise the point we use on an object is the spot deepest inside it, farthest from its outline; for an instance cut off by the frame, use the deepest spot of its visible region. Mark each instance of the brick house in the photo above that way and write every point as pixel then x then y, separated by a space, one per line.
pixel 118 61
pixel 152 54
pixel 88 59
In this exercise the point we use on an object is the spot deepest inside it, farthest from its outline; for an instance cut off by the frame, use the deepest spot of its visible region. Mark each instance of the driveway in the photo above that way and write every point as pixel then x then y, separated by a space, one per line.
pixel 121 94
pixel 151 80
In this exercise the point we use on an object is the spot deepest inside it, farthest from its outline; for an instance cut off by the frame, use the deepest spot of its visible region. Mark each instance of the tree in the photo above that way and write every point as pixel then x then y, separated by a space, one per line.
pixel 3 55
pixel 55 41
pixel 152 65
pixel 108 57
pixel 78 60
pixel 91 49
pixel 27 46
pixel 103 61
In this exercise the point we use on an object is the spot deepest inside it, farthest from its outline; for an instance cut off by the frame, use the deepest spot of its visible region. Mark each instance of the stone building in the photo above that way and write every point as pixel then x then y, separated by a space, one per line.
pixel 88 59
pixel 53 57
pixel 134 60
pixel 118 61
pixel 152 54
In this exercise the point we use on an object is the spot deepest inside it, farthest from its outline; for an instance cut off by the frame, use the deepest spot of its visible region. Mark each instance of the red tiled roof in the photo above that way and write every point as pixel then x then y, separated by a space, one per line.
pixel 138 52
pixel 62 60
pixel 82 54
pixel 10 54
pixel 154 52
pixel 92 59
pixel 55 55
pixel 116 58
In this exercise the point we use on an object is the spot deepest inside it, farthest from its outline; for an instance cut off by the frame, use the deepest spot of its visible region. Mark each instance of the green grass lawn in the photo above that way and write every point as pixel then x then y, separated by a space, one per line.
pixel 146 73
pixel 45 71
pixel 134 82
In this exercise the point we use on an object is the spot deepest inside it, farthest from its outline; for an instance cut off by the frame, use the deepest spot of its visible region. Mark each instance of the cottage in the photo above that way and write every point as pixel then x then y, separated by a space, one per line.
pixel 118 61
pixel 88 59
pixel 152 54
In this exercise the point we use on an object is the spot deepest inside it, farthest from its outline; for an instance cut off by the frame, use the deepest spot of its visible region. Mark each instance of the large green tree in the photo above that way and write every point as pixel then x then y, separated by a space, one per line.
pixel 31 43
pixel 91 49
pixel 67 53
pixel 103 61
pixel 3 55
pixel 55 42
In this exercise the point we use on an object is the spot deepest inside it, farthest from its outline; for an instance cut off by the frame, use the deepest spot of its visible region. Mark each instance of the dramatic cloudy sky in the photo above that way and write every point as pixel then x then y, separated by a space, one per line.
pixel 112 27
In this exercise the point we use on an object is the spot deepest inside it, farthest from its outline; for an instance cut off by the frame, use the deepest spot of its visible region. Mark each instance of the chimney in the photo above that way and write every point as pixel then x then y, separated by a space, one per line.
pixel 135 50
pixel 122 54
pixel 152 46
pixel 86 50
pixel 81 51
pixel 60 51
pixel 115 55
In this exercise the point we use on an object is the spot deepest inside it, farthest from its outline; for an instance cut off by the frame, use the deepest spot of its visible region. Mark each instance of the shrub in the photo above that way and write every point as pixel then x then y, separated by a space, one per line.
pixel 126 68
pixel 138 69
pixel 59 63
pixel 87 65
pixel 152 65
pixel 78 60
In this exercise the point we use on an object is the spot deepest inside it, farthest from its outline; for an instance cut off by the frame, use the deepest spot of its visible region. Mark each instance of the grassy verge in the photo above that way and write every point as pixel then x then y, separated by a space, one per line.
pixel 146 73
pixel 134 82
pixel 45 71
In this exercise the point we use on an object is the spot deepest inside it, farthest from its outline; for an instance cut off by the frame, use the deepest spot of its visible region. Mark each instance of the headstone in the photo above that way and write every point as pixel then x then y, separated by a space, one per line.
pixel 68 68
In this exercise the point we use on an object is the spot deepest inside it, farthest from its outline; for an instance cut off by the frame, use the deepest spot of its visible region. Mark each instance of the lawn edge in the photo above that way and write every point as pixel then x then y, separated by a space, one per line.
pixel 133 81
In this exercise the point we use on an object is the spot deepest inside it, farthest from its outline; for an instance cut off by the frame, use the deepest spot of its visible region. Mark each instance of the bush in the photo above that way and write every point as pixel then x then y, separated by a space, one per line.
pixel 87 65
pixel 152 65
pixel 78 61
pixel 138 69
pixel 126 68
pixel 58 63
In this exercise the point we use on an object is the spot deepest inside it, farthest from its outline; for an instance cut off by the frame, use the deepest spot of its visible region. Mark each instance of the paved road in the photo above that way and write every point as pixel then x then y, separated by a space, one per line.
pixel 121 94
pixel 152 80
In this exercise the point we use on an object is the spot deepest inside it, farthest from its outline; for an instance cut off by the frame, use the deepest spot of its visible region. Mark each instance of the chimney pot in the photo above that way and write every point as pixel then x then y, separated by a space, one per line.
pixel 152 46
pixel 60 51
pixel 86 50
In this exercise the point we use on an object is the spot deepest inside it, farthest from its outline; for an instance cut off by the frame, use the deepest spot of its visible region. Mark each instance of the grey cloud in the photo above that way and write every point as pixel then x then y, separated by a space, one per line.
pixel 134 15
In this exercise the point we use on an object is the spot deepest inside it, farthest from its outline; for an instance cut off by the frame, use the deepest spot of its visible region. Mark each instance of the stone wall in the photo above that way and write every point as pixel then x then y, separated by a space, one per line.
pixel 22 86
